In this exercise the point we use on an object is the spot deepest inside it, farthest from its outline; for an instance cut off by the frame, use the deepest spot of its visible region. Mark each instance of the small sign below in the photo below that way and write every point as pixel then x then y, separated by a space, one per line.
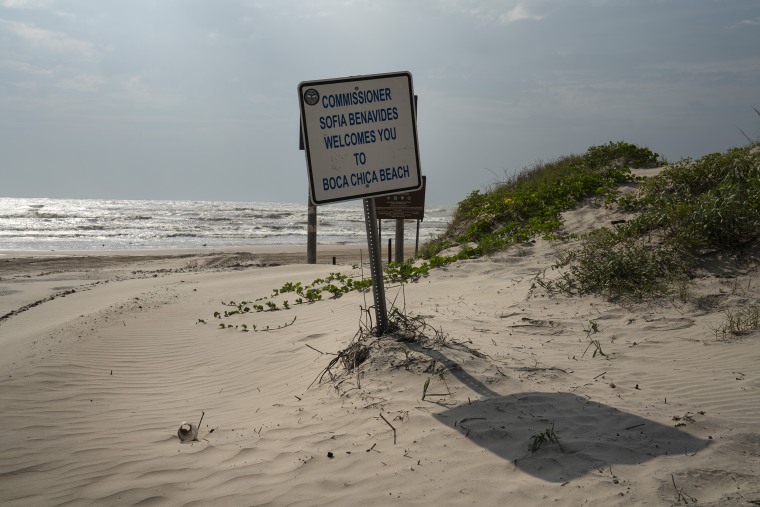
pixel 360 136
pixel 407 205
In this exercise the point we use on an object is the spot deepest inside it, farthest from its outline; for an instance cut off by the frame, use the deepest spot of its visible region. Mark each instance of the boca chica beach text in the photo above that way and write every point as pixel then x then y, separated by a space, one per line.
pixel 366 128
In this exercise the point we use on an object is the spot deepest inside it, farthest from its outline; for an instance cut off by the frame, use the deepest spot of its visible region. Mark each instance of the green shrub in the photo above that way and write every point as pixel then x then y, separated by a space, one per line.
pixel 691 208
pixel 615 264
pixel 713 202
pixel 530 203
pixel 620 154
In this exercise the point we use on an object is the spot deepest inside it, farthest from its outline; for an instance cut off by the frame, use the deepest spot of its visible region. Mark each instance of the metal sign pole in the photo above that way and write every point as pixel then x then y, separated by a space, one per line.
pixel 376 266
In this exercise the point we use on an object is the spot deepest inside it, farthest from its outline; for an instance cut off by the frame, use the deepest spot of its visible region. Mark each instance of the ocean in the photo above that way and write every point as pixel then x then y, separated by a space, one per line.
pixel 98 224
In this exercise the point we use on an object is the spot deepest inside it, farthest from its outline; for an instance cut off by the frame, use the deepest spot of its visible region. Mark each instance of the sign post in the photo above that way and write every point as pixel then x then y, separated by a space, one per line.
pixel 311 229
pixel 375 266
pixel 360 139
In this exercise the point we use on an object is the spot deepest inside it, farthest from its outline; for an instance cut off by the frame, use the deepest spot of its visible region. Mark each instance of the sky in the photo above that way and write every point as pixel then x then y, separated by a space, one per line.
pixel 197 99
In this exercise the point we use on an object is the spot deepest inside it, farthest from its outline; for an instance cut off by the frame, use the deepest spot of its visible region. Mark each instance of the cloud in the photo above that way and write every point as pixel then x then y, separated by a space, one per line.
pixel 26 68
pixel 83 83
pixel 489 10
pixel 519 13
pixel 25 4
pixel 752 22
pixel 49 40
pixel 135 90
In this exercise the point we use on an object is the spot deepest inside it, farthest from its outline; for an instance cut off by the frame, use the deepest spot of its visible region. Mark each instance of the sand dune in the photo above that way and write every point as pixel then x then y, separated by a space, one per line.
pixel 105 356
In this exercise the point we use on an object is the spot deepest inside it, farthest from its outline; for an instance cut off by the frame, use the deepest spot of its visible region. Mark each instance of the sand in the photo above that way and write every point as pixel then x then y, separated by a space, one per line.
pixel 105 355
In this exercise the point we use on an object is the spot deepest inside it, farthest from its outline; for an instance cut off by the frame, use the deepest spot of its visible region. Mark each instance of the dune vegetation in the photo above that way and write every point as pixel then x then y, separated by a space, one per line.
pixel 692 212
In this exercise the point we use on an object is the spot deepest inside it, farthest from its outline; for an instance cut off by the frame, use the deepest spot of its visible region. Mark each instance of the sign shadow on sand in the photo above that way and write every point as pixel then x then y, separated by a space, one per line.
pixel 591 435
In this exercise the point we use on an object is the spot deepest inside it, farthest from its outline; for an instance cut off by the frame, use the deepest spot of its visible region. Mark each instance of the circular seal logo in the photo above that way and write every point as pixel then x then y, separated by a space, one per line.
pixel 311 96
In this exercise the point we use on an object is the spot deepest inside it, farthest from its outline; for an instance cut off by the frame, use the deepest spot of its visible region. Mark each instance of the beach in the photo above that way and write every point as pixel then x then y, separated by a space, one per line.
pixel 508 395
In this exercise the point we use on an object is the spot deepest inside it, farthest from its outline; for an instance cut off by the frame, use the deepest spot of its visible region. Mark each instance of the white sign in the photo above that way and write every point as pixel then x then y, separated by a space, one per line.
pixel 360 136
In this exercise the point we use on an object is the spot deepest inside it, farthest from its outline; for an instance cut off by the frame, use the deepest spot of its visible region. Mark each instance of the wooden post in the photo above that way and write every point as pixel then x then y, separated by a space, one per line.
pixel 311 234
pixel 417 240
pixel 399 240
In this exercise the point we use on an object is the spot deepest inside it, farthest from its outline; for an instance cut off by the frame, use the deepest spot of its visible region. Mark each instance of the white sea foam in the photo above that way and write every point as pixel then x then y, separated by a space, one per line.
pixel 88 224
